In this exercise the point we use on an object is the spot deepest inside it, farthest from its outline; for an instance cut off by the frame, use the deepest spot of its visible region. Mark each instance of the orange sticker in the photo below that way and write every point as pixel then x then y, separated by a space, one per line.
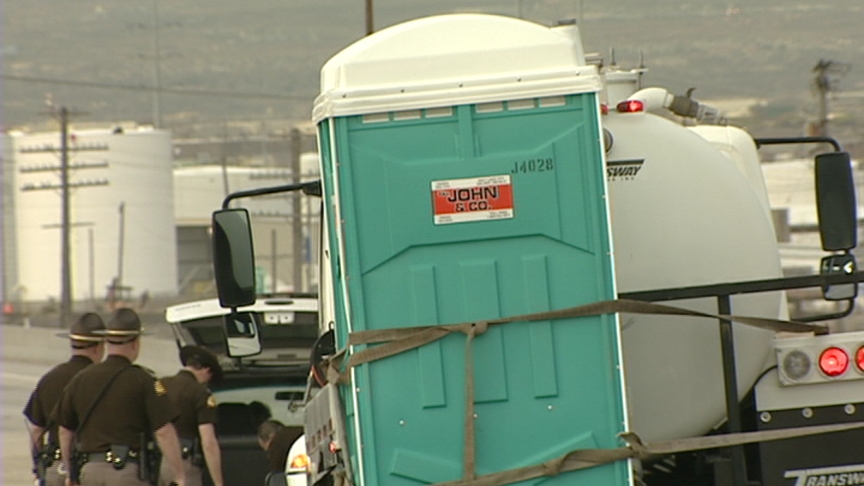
pixel 475 199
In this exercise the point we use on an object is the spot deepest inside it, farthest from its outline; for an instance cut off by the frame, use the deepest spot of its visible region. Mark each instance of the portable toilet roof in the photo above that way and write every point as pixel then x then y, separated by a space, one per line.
pixel 475 58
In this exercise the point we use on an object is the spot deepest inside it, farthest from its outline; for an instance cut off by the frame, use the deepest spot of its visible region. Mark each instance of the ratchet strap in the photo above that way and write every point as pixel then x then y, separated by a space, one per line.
pixel 586 458
pixel 394 341
pixel 399 340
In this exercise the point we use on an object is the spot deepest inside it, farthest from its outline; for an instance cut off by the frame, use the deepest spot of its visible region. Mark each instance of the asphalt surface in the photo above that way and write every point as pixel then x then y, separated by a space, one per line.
pixel 25 355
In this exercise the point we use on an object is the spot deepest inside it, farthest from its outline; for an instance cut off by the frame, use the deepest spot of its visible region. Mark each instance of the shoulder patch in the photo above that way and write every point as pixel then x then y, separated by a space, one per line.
pixel 159 388
pixel 211 401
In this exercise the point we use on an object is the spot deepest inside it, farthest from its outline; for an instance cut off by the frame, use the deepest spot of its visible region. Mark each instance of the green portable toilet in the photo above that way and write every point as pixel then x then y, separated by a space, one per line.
pixel 463 181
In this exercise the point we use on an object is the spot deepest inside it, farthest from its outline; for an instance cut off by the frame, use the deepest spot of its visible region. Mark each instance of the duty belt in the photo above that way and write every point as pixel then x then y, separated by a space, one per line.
pixel 110 457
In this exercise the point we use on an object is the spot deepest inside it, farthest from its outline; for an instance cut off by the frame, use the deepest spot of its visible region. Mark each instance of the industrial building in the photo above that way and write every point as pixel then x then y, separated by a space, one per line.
pixel 136 220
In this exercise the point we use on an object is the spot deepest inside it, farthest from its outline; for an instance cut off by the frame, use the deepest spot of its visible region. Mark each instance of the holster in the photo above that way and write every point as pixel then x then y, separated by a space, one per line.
pixel 39 467
pixel 76 463
pixel 149 460
pixel 45 456
pixel 191 449
pixel 198 456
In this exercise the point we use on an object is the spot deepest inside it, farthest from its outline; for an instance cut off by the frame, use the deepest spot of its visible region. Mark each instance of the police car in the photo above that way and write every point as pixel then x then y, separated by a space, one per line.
pixel 264 350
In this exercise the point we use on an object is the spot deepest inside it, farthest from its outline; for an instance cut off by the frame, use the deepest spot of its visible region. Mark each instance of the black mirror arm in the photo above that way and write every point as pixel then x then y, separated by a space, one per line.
pixel 312 188
pixel 850 306
pixel 798 140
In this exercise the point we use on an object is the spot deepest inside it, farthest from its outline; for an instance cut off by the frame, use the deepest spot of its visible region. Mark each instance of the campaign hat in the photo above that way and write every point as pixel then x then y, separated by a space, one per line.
pixel 206 358
pixel 124 323
pixel 87 327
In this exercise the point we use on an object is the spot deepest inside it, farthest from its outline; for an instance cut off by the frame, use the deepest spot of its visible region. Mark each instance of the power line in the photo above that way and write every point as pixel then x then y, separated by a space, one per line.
pixel 178 91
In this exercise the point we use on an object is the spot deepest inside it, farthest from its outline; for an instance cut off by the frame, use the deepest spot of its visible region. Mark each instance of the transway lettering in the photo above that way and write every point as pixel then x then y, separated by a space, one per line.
pixel 623 169
pixel 851 475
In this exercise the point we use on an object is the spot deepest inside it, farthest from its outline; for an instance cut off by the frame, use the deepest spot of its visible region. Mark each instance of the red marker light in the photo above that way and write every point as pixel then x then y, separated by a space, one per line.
pixel 604 109
pixel 833 361
pixel 630 106
pixel 859 358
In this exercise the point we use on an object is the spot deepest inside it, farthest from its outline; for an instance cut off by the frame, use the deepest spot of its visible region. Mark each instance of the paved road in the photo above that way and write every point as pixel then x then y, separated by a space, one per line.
pixel 25 355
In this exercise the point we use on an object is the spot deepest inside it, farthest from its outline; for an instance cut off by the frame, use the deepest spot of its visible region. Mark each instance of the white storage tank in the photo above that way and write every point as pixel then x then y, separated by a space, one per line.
pixel 121 212
pixel 684 213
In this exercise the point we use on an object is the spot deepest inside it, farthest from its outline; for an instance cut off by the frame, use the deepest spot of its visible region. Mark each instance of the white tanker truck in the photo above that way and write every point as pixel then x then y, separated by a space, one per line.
pixel 477 168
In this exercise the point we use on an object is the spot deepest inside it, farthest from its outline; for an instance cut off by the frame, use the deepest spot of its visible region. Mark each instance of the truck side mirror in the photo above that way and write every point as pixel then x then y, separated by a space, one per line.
pixel 835 201
pixel 242 334
pixel 839 264
pixel 233 258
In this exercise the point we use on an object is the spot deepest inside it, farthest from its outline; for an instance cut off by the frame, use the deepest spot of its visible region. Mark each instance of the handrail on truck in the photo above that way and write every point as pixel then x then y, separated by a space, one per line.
pixel 723 293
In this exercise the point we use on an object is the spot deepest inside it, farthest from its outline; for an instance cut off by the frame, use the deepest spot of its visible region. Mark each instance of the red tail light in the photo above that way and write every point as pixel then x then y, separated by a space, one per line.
pixel 834 361
pixel 630 106
pixel 859 358
pixel 807 360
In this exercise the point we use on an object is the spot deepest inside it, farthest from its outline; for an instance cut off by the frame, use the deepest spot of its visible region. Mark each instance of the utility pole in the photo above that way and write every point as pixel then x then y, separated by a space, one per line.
pixel 224 160
pixel 118 288
pixel 297 210
pixel 157 68
pixel 65 186
pixel 65 271
pixel 370 20
pixel 274 261
pixel 824 83
pixel 65 223
pixel 91 264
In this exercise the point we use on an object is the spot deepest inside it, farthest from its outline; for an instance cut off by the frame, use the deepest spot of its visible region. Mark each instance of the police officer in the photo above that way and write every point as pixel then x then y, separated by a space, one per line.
pixel 277 439
pixel 196 423
pixel 108 411
pixel 87 348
